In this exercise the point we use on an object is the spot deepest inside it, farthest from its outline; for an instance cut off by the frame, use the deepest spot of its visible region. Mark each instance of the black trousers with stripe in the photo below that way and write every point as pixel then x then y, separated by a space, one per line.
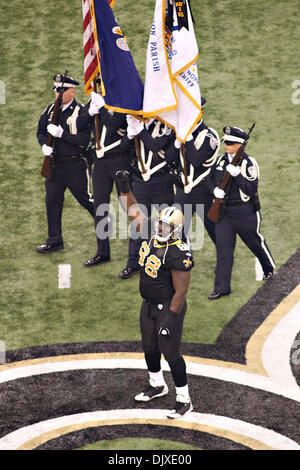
pixel 199 195
pixel 243 221
pixel 104 178
pixel 65 175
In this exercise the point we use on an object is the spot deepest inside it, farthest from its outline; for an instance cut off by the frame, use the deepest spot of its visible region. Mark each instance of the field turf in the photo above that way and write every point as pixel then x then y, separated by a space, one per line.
pixel 247 67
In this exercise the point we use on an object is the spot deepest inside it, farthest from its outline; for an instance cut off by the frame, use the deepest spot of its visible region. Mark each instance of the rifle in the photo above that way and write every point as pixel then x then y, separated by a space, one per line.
pixel 214 212
pixel 46 170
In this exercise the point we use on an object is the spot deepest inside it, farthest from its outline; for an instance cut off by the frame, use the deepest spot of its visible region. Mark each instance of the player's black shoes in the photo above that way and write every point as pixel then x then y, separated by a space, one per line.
pixel 180 409
pixel 152 392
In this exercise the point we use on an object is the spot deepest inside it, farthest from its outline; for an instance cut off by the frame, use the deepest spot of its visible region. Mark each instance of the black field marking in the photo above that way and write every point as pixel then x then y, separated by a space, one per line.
pixel 38 398
pixel 77 439
pixel 231 343
pixel 65 393
pixel 295 360
pixel 72 348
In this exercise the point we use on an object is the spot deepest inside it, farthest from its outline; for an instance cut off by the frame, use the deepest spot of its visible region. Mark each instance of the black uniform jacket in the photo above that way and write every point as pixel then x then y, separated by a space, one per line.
pixel 194 156
pixel 150 142
pixel 113 125
pixel 69 144
pixel 246 181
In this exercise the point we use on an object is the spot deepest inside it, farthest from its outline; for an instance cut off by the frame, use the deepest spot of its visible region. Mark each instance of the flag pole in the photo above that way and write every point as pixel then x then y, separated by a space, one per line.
pixel 184 165
pixel 138 154
pixel 96 120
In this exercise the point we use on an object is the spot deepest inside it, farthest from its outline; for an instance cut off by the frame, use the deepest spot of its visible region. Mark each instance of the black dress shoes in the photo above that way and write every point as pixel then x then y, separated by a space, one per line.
pixel 128 272
pixel 98 259
pixel 216 295
pixel 48 247
pixel 268 275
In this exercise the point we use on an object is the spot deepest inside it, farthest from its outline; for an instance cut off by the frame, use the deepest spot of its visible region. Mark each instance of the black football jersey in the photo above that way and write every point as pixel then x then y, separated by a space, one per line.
pixel 156 261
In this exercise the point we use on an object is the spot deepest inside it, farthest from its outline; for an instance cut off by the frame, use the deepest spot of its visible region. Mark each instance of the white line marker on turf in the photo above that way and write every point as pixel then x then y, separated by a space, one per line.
pixel 259 274
pixel 64 276
pixel 215 424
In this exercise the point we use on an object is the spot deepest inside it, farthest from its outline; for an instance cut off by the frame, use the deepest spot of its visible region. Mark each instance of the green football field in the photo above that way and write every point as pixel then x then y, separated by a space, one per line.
pixel 248 68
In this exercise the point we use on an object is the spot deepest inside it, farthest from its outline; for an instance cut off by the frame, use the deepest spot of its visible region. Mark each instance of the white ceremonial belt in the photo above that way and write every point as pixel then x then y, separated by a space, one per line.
pixel 191 184
pixel 149 171
pixel 147 164
pixel 208 163
pixel 100 153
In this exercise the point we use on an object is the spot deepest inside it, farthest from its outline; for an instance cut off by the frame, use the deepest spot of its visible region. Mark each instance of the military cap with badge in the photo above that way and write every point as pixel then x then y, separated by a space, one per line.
pixel 63 82
pixel 234 135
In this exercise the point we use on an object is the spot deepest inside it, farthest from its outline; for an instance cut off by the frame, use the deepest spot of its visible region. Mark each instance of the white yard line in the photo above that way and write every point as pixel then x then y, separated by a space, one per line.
pixel 268 384
pixel 64 276
pixel 258 271
pixel 214 424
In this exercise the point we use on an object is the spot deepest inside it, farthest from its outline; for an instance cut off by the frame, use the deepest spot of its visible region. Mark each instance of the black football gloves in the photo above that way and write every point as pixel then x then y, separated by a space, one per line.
pixel 167 323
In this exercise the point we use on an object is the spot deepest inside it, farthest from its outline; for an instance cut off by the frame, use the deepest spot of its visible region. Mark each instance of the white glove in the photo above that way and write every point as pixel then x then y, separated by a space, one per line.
pixel 189 137
pixel 149 122
pixel 93 109
pixel 233 170
pixel 177 144
pixel 130 119
pixel 219 193
pixel 56 131
pixel 97 99
pixel 97 102
pixel 47 151
pixel 134 126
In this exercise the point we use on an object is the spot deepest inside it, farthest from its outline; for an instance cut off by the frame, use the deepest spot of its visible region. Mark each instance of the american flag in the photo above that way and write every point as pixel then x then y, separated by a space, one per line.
pixel 90 45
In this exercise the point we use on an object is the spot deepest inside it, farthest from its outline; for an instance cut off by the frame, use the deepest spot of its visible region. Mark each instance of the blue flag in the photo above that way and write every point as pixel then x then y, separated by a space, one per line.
pixel 122 84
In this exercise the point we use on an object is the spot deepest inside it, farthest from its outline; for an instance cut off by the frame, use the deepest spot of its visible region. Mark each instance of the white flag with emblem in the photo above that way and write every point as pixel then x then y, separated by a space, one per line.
pixel 172 91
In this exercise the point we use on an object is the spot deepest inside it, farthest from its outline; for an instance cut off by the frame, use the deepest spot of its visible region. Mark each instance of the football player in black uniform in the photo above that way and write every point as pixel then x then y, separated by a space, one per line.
pixel 165 270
